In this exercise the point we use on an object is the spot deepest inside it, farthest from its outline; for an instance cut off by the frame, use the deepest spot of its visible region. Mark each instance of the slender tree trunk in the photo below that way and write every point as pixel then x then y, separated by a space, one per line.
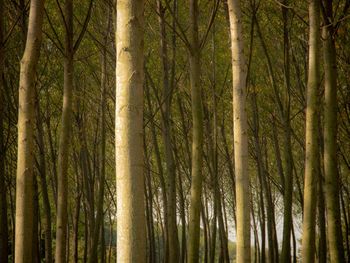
pixel 76 228
pixel 260 168
pixel 43 184
pixel 3 200
pixel 287 149
pixel 111 231
pixel 86 233
pixel 149 210
pixel 173 242
pixel 331 187
pixel 264 184
pixel 240 133
pixel 77 209
pixel 160 173
pixel 182 209
pixel 311 148
pixel 103 245
pixel 35 241
pixel 206 232
pixel 131 228
pixel 101 180
pixel 346 226
pixel 53 158
pixel 197 138
pixel 62 180
pixel 26 120
pixel 322 242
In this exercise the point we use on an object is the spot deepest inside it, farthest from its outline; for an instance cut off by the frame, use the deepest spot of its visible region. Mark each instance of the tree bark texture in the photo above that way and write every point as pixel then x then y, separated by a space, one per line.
pixel 26 121
pixel 239 73
pixel 331 187
pixel 197 138
pixel 131 222
pixel 311 138
pixel 63 152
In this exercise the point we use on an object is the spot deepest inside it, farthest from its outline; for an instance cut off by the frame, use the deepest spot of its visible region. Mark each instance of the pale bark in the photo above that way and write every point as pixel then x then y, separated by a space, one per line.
pixel 131 225
pixel 311 148
pixel 331 187
pixel 240 133
pixel 26 120
pixel 197 138
pixel 63 152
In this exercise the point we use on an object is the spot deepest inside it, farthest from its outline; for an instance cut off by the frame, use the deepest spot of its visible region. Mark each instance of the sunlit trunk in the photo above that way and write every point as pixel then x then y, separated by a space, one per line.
pixel 131 223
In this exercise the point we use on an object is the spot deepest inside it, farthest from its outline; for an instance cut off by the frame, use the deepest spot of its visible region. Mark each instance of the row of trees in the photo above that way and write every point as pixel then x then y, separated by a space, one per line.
pixel 191 184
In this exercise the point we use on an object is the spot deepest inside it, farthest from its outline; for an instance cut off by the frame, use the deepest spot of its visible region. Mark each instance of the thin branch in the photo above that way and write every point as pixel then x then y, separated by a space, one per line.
pixel 211 21
pixel 59 45
pixel 62 15
pixel 12 28
pixel 182 31
pixel 83 30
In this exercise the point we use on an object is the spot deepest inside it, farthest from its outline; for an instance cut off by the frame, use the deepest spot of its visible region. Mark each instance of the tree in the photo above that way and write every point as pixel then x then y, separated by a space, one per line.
pixel 3 201
pixel 311 155
pixel 172 236
pixel 331 187
pixel 287 149
pixel 62 181
pixel 131 225
pixel 240 135
pixel 26 120
pixel 99 224
pixel 197 137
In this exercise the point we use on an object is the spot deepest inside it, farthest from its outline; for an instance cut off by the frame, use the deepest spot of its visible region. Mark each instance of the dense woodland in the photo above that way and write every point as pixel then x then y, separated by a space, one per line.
pixel 174 131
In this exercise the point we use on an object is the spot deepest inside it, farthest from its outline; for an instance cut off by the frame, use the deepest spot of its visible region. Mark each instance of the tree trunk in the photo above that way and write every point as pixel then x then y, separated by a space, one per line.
pixel 240 133
pixel 99 222
pixel 26 120
pixel 131 228
pixel 322 242
pixel 173 242
pixel 311 147
pixel 35 241
pixel 43 184
pixel 149 210
pixel 3 200
pixel 331 187
pixel 287 149
pixel 62 180
pixel 160 173
pixel 197 138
